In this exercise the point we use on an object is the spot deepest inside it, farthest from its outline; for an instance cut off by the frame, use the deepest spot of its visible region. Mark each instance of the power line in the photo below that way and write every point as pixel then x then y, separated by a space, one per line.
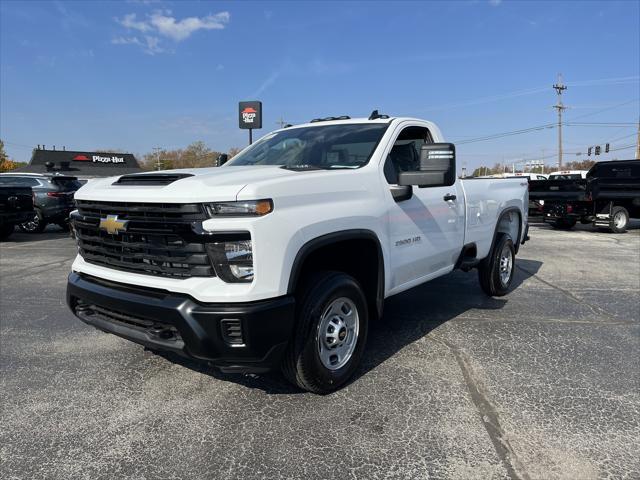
pixel 606 109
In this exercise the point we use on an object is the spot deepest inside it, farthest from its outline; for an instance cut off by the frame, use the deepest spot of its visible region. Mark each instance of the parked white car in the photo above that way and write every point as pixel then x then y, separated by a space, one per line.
pixel 283 256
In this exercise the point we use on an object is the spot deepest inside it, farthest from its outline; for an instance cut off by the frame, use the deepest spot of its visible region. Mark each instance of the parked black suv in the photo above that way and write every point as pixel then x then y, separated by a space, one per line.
pixel 53 198
pixel 16 206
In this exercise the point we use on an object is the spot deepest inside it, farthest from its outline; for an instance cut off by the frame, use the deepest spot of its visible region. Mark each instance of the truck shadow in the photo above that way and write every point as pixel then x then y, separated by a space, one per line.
pixel 408 317
pixel 52 232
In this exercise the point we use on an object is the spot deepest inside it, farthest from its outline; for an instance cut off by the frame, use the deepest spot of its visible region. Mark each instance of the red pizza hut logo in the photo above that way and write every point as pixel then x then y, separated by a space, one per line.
pixel 249 115
pixel 81 158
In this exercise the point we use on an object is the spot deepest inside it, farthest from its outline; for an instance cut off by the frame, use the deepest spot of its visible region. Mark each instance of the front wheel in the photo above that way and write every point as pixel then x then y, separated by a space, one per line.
pixel 331 332
pixel 35 224
pixel 496 271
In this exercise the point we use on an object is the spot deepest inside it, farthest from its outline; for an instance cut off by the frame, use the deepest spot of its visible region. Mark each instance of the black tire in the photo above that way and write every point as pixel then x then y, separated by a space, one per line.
pixel 6 230
pixel 619 220
pixel 36 225
pixel 302 364
pixel 64 225
pixel 489 270
pixel 564 223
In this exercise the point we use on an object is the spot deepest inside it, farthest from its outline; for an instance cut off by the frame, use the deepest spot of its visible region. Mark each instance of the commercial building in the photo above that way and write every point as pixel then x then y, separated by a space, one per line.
pixel 84 165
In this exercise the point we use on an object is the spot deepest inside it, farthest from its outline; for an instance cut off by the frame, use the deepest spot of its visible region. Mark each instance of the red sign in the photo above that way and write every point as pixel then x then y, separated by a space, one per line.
pixel 81 158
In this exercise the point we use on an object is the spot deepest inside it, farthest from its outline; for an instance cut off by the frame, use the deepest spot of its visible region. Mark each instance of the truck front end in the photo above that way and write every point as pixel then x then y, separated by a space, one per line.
pixel 176 276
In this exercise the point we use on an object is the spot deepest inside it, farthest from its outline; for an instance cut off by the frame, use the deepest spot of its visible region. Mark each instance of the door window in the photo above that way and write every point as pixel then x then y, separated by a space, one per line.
pixel 405 154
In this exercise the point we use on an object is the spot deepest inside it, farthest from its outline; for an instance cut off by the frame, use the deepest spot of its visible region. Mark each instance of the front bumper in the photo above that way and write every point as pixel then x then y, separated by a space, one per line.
pixel 162 320
pixel 15 217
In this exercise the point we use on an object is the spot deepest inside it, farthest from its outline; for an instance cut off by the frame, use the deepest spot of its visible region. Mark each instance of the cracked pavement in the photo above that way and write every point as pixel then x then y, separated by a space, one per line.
pixel 541 384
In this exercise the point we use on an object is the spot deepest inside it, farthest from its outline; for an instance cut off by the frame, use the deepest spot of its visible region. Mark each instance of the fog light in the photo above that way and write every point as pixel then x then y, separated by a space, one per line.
pixel 233 260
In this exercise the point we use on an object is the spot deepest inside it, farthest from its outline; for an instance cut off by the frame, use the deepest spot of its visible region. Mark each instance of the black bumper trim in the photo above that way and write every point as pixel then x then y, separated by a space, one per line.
pixel 266 325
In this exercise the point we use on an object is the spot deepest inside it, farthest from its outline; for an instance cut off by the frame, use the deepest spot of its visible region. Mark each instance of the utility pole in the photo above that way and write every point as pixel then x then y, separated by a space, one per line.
pixel 158 164
pixel 638 143
pixel 560 87
pixel 281 122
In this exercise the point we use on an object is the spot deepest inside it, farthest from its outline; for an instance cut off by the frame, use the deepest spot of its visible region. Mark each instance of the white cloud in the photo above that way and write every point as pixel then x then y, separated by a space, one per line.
pixel 163 24
pixel 149 44
pixel 495 3
pixel 270 80
pixel 179 30
pixel 129 21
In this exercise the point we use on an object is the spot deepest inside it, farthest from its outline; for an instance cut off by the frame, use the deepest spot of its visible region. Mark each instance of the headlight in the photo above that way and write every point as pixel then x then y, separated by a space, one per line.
pixel 233 260
pixel 239 209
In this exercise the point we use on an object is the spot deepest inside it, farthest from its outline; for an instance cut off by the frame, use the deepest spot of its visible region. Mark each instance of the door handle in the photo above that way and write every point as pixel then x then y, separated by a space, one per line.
pixel 449 197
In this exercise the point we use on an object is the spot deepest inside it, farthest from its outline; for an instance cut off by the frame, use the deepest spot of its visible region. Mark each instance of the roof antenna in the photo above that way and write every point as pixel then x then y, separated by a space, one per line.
pixel 375 115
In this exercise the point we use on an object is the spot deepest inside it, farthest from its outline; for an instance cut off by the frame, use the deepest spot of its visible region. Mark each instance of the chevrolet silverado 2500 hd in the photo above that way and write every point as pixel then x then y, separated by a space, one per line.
pixel 283 256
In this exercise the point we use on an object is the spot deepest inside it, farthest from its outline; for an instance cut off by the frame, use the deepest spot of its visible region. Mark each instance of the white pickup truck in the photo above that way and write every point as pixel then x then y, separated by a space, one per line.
pixel 283 256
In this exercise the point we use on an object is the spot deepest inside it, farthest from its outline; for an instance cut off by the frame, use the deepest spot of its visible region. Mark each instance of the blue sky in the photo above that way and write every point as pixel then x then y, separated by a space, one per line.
pixel 138 74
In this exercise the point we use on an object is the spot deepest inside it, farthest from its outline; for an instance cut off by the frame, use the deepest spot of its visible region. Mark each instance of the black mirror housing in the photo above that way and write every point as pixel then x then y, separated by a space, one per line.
pixel 437 167
pixel 222 159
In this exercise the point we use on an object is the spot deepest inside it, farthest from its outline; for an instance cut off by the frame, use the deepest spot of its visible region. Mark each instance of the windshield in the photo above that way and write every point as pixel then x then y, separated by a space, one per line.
pixel 325 147
pixel 567 176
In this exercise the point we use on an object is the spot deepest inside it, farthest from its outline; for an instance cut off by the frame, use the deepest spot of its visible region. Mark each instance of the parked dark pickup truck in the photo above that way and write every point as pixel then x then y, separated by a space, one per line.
pixel 607 197
pixel 16 206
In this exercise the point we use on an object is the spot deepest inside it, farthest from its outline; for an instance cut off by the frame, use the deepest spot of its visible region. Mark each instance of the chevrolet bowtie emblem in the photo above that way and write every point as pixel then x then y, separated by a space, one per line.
pixel 112 225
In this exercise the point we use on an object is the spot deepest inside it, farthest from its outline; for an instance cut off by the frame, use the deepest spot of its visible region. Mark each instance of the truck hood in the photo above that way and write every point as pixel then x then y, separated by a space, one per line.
pixel 204 185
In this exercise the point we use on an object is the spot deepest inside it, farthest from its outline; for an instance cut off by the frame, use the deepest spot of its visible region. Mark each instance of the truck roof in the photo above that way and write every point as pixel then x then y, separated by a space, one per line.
pixel 435 130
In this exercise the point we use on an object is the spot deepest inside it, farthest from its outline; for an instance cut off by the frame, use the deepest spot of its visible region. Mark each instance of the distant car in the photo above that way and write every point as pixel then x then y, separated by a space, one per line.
pixel 528 175
pixel 568 175
pixel 53 198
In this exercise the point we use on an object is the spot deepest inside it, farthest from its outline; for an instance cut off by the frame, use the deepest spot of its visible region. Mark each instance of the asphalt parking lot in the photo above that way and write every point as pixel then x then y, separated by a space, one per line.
pixel 543 383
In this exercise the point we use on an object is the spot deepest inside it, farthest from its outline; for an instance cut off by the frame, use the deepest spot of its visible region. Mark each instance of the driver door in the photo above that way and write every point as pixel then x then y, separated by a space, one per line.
pixel 425 230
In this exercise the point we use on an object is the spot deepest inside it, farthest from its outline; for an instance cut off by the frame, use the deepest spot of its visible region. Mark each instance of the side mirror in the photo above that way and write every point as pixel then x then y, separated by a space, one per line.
pixel 437 167
pixel 222 159
pixel 401 193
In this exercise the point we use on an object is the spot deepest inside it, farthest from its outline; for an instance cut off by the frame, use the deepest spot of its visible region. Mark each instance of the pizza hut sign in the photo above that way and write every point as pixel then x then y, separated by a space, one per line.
pixel 250 115
pixel 98 159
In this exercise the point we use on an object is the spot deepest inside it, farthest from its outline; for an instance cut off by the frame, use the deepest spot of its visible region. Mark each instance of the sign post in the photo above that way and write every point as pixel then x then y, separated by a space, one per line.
pixel 250 117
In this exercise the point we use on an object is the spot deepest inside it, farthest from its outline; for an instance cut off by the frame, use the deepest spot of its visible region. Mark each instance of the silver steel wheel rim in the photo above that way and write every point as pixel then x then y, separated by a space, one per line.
pixel 338 333
pixel 619 220
pixel 506 265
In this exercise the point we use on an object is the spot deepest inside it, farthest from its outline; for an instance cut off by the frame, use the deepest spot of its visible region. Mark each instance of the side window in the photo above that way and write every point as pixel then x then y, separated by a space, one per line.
pixel 23 181
pixel 405 154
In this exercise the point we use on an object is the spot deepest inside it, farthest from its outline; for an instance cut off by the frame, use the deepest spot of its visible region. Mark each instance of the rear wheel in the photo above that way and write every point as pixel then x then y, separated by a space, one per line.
pixel 564 223
pixel 331 332
pixel 496 271
pixel 35 224
pixel 6 230
pixel 619 220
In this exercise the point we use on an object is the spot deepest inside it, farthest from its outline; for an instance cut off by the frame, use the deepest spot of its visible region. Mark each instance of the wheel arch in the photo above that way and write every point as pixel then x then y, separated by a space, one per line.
pixel 327 250
pixel 506 225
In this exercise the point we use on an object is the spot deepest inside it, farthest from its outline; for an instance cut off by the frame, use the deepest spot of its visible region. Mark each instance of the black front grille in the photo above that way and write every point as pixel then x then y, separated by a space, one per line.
pixel 158 239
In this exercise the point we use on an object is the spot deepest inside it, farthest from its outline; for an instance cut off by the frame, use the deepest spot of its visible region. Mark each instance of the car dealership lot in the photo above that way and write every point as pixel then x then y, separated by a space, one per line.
pixel 542 383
